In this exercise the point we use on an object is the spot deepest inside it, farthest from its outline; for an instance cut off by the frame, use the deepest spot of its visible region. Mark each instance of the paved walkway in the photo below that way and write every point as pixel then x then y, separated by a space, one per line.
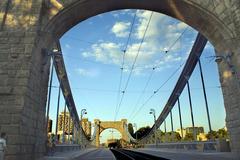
pixel 69 155
pixel 99 154
pixel 189 155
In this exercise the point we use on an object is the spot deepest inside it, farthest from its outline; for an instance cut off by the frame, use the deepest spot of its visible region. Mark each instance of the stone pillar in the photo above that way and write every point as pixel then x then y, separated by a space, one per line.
pixel 229 73
pixel 24 71
pixel 97 122
pixel 123 132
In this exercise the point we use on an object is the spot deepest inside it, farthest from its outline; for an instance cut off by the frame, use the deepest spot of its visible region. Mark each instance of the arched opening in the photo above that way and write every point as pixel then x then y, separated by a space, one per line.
pixel 110 137
pixel 203 17
pixel 216 32
pixel 100 58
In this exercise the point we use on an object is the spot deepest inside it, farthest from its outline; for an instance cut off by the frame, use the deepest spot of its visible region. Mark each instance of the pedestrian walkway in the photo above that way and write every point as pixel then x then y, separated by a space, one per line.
pixel 189 155
pixel 69 155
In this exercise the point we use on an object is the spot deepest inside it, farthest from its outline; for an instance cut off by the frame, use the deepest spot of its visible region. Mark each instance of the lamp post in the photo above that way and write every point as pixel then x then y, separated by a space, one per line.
pixel 152 111
pixel 58 103
pixel 83 111
pixel 112 133
pixel 64 121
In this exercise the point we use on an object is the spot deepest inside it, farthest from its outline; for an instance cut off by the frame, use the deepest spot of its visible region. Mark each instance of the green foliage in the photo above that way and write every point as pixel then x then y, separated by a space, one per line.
pixel 220 134
pixel 189 137
pixel 130 129
pixel 142 132
pixel 177 136
pixel 169 137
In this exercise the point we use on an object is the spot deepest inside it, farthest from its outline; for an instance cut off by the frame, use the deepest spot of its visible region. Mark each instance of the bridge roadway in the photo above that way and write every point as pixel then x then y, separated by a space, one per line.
pixel 98 154
pixel 106 154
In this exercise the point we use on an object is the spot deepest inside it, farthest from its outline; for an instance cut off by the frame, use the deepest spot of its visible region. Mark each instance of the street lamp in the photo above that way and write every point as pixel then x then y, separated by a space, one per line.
pixel 152 111
pixel 83 111
pixel 112 133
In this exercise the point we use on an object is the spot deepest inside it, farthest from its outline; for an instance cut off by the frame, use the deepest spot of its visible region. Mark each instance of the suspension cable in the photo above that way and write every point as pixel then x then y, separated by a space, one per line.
pixel 156 91
pixel 123 61
pixel 151 74
pixel 131 71
pixel 176 40
pixel 143 92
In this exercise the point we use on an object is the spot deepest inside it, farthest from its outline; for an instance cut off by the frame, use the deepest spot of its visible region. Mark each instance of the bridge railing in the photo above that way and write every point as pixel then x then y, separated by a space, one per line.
pixel 199 146
pixel 60 69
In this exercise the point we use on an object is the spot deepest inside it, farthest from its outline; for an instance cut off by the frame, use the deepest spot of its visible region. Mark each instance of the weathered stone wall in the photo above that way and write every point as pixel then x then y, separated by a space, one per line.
pixel 228 12
pixel 31 25
pixel 23 80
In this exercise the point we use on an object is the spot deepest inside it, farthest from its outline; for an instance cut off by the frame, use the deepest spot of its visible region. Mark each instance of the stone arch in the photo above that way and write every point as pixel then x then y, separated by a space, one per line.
pixel 108 129
pixel 43 25
pixel 196 14
pixel 211 18
pixel 118 125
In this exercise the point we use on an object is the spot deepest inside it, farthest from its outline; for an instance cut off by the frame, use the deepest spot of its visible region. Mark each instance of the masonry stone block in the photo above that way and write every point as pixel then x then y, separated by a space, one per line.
pixel 6 90
pixel 10 129
pixel 4 119
pixel 14 149
pixel 13 157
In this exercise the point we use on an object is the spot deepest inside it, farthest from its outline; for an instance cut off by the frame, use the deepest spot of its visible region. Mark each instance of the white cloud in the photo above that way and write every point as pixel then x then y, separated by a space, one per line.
pixel 161 35
pixel 161 31
pixel 88 72
pixel 105 52
pixel 121 29
pixel 111 53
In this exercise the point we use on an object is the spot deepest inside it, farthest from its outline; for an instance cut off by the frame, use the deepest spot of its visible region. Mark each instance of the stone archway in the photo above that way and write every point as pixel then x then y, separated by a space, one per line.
pixel 118 125
pixel 27 28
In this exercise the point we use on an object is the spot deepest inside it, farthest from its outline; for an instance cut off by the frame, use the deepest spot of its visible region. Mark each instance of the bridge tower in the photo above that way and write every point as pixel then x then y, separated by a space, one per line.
pixel 118 125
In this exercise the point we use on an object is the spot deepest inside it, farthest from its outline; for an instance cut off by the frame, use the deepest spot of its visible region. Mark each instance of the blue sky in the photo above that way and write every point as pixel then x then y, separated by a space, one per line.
pixel 93 52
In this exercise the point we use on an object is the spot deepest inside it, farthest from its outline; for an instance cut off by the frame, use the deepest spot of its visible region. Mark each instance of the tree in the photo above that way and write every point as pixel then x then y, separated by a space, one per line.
pixel 130 129
pixel 189 137
pixel 142 132
pixel 170 137
pixel 222 134
pixel 212 135
pixel 177 136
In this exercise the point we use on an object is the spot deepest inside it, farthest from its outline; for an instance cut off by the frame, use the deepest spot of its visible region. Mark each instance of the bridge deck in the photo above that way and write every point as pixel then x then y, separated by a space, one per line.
pixel 171 154
pixel 183 155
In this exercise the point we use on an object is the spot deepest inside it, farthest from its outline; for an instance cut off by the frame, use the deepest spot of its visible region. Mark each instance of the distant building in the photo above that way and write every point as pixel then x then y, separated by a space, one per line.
pixel 189 130
pixel 182 133
pixel 198 130
pixel 68 128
